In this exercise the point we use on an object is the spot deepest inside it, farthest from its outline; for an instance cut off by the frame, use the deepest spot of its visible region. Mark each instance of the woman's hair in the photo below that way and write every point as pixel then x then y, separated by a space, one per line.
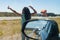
pixel 26 13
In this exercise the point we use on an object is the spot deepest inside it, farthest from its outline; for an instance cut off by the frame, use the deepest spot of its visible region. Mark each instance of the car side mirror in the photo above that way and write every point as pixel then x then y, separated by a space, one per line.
pixel 42 28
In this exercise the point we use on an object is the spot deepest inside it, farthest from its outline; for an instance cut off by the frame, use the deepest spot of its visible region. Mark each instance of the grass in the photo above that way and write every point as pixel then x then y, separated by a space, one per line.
pixel 10 27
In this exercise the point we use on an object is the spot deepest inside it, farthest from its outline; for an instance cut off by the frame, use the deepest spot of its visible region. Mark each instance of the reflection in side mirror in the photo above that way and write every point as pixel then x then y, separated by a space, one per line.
pixel 36 24
pixel 36 27
pixel 41 29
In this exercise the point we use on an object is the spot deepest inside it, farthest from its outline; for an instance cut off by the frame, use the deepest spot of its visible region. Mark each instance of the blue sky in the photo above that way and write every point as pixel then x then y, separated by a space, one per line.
pixel 49 5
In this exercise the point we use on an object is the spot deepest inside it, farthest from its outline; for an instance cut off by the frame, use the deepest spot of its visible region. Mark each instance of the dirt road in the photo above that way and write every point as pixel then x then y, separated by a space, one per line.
pixel 11 37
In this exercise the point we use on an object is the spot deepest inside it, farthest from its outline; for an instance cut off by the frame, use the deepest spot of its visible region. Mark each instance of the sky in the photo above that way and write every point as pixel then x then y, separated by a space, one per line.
pixel 50 5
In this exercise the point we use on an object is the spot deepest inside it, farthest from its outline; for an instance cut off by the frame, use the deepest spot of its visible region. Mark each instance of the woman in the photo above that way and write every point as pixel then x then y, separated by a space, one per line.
pixel 23 8
pixel 26 15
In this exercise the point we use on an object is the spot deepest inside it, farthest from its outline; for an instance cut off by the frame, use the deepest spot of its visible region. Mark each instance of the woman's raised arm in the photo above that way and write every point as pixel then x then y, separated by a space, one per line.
pixel 14 11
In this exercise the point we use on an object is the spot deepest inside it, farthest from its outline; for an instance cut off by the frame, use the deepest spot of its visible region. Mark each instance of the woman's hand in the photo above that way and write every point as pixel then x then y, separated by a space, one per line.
pixel 8 7
pixel 31 7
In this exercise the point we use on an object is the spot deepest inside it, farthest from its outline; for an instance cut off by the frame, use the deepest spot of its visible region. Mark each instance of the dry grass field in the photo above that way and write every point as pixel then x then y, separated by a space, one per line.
pixel 11 29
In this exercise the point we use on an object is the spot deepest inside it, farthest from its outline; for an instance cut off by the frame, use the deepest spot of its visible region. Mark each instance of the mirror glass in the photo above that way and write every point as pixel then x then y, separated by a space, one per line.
pixel 36 24
pixel 33 27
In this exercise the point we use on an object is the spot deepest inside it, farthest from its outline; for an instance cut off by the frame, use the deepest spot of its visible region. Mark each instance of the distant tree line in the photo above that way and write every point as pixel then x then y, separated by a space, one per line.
pixel 50 14
pixel 10 14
